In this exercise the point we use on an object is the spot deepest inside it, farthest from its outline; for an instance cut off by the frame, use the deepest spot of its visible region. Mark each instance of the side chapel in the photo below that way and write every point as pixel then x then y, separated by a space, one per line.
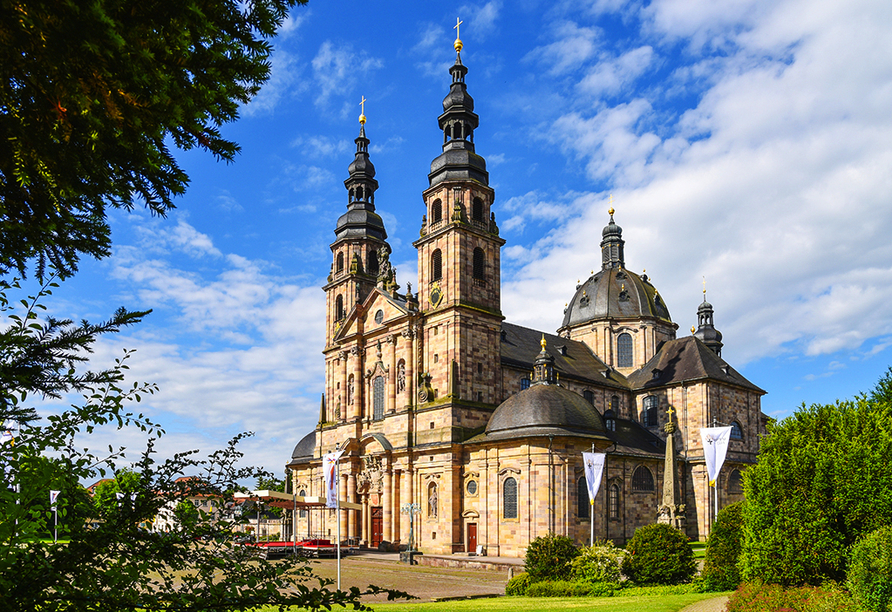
pixel 439 402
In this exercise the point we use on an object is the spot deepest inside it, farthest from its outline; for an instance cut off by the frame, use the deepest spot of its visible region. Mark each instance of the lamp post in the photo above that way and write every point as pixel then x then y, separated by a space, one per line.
pixel 411 510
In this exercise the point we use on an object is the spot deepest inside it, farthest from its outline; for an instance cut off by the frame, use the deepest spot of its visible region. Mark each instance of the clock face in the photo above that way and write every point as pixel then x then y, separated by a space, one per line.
pixel 436 296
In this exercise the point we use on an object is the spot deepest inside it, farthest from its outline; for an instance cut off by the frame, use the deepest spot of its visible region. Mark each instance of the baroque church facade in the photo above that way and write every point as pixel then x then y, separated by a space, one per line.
pixel 439 402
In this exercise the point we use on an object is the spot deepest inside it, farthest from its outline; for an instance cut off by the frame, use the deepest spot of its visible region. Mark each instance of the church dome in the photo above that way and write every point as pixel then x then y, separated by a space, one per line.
pixel 305 447
pixel 615 293
pixel 544 410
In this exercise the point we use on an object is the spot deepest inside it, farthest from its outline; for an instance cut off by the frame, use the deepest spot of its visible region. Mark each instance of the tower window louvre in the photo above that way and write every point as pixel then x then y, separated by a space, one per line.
pixel 477 210
pixel 339 308
pixel 436 265
pixel 436 211
pixel 340 263
pixel 378 391
pixel 479 264
pixel 736 431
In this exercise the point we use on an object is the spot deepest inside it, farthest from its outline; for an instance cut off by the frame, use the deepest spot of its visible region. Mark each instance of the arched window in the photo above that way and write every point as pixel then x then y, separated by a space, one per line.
pixel 436 211
pixel 624 351
pixel 735 482
pixel 736 431
pixel 589 397
pixel 302 513
pixel 614 404
pixel 582 501
pixel 509 499
pixel 371 262
pixel 436 265
pixel 524 383
pixel 432 500
pixel 479 264
pixel 642 480
pixel 340 264
pixel 378 398
pixel 651 403
pixel 477 210
pixel 339 308
pixel 613 501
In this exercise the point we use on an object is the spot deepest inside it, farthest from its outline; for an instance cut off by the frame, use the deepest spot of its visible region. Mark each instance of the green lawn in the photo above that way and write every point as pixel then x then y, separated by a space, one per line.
pixel 657 603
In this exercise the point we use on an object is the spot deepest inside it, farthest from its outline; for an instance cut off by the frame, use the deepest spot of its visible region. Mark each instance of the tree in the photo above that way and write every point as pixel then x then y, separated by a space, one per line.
pixel 822 482
pixel 117 564
pixel 93 95
pixel 659 554
pixel 720 571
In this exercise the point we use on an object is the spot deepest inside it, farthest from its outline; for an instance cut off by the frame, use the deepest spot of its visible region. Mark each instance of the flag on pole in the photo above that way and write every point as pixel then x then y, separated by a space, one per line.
pixel 330 468
pixel 53 496
pixel 594 467
pixel 715 447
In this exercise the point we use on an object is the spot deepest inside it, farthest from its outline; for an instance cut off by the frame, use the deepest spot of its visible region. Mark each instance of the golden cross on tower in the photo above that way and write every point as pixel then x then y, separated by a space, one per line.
pixel 362 111
pixel 457 29
pixel 704 285
pixel 610 203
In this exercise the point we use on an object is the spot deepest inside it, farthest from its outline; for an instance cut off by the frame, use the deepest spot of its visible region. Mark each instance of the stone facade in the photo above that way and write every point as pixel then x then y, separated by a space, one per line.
pixel 412 383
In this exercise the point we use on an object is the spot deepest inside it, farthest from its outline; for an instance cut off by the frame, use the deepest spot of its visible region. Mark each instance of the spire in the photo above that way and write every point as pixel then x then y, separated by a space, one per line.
pixel 706 331
pixel 361 220
pixel 458 122
pixel 670 511
pixel 543 371
pixel 612 244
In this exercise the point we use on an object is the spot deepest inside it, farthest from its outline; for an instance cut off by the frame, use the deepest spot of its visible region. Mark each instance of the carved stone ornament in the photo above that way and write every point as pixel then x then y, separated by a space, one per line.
pixel 371 478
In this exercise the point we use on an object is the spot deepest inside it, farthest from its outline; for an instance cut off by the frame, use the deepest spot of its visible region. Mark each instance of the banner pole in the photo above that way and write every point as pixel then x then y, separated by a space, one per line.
pixel 337 484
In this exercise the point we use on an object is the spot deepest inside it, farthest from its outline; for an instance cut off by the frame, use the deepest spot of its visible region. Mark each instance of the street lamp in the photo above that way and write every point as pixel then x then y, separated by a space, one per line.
pixel 411 510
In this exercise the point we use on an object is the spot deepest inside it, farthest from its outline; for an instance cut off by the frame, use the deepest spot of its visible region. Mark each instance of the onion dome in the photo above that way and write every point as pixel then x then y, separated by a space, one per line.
pixel 545 409
pixel 706 332
pixel 614 292
pixel 305 448
pixel 361 220
pixel 458 161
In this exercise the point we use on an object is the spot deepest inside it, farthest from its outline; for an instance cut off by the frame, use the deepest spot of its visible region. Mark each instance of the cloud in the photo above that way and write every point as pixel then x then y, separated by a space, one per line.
pixel 321 146
pixel 285 70
pixel 483 18
pixel 613 75
pixel 336 70
pixel 430 58
pixel 573 46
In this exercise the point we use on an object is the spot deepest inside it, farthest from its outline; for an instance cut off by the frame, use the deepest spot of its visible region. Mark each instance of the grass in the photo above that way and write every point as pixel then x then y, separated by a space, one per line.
pixel 699 549
pixel 660 603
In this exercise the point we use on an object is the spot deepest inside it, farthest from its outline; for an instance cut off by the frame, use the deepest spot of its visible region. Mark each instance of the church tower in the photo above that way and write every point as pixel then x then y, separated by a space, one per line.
pixel 359 235
pixel 459 262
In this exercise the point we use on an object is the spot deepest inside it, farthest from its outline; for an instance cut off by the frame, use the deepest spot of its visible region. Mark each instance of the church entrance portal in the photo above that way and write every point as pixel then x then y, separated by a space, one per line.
pixel 377 526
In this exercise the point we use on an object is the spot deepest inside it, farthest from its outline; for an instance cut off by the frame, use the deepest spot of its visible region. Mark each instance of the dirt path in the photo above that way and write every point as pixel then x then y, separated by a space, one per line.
pixel 716 604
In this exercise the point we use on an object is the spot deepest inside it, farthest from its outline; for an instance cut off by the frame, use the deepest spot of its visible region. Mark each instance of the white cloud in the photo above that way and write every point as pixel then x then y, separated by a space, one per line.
pixel 612 75
pixel 321 146
pixel 337 70
pixel 573 46
pixel 483 18
pixel 285 70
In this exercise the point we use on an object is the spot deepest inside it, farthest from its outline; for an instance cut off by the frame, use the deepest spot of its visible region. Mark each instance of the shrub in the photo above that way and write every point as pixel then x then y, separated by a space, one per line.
pixel 759 597
pixel 518 585
pixel 720 572
pixel 601 562
pixel 567 588
pixel 549 558
pixel 659 554
pixel 870 570
pixel 822 482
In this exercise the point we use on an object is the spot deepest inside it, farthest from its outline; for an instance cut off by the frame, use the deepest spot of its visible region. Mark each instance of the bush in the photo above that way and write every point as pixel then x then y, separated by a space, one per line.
pixel 870 570
pixel 720 572
pixel 821 483
pixel 549 558
pixel 518 585
pixel 659 554
pixel 601 562
pixel 567 588
pixel 759 597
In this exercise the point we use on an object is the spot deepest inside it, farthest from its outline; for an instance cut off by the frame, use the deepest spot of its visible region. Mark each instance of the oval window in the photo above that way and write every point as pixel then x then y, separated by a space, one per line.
pixel 379 317
pixel 472 487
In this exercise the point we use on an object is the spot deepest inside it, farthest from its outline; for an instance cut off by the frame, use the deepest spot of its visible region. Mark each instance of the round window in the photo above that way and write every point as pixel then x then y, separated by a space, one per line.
pixel 472 487
pixel 379 317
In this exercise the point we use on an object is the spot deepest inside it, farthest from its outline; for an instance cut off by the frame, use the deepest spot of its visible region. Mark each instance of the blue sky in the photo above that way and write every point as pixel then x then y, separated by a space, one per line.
pixel 746 141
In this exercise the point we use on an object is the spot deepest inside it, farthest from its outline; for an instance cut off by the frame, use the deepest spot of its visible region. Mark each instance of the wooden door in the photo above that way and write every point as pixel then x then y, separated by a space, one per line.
pixel 472 537
pixel 377 526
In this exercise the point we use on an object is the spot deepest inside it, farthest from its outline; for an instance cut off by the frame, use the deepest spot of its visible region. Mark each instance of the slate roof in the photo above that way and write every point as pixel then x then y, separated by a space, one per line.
pixel 686 359
pixel 304 449
pixel 520 346
pixel 633 439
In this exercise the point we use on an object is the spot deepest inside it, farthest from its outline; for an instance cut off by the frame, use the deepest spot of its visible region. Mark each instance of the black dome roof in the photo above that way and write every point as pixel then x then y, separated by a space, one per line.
pixel 305 447
pixel 544 410
pixel 615 293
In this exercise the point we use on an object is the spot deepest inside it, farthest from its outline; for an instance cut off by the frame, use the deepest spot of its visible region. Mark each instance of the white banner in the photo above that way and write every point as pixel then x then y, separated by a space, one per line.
pixel 715 447
pixel 330 469
pixel 594 467
pixel 6 435
pixel 54 495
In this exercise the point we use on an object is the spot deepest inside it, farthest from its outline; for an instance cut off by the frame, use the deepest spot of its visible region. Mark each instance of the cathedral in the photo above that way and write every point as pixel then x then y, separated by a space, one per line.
pixel 475 425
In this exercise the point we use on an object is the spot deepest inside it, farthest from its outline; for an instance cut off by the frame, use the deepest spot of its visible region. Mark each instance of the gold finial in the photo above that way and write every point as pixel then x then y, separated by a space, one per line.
pixel 623 287
pixel 693 329
pixel 362 111
pixel 610 210
pixel 457 44
pixel 542 342
pixel 704 287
